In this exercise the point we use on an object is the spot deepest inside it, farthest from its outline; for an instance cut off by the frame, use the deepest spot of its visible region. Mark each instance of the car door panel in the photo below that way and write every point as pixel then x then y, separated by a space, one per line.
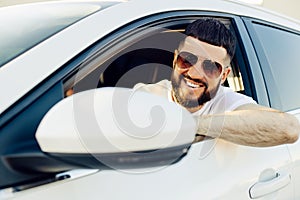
pixel 294 150
pixel 213 169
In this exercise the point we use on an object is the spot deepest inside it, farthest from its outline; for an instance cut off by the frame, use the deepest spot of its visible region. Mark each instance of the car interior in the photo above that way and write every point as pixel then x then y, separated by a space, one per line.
pixel 146 58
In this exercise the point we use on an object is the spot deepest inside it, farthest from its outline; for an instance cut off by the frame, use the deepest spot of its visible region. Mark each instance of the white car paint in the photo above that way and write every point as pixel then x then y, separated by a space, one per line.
pixel 211 169
pixel 171 125
pixel 204 173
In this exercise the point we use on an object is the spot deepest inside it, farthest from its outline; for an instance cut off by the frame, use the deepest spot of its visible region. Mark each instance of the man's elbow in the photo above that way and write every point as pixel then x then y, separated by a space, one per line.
pixel 293 130
pixel 292 137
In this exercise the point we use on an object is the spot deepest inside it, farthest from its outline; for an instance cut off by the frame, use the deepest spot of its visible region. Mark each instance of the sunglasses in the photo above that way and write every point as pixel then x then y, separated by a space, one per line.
pixel 186 60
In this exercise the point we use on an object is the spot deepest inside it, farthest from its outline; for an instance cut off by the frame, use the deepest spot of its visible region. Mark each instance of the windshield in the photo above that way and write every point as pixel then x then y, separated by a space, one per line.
pixel 24 26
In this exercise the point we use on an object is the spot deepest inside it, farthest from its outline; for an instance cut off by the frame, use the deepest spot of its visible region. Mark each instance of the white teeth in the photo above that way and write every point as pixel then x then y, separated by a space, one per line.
pixel 192 84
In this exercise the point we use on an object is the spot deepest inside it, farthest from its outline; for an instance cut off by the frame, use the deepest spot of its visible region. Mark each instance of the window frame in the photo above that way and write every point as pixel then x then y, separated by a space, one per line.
pixel 264 64
pixel 236 23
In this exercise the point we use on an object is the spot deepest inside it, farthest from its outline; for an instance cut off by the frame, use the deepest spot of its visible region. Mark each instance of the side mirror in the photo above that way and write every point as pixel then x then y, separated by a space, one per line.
pixel 116 128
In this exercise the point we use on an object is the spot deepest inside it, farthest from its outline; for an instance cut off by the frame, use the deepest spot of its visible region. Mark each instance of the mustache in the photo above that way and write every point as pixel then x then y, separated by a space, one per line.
pixel 186 76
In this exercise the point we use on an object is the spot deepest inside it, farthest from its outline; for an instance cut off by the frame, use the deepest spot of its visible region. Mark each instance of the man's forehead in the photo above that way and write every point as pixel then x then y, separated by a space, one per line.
pixel 204 49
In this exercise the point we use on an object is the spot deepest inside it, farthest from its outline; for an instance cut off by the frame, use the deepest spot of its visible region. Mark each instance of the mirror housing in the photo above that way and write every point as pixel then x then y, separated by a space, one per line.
pixel 116 128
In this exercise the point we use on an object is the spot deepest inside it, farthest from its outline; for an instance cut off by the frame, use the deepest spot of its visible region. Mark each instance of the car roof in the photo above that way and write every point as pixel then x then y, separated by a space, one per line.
pixel 231 6
pixel 119 14
pixel 25 25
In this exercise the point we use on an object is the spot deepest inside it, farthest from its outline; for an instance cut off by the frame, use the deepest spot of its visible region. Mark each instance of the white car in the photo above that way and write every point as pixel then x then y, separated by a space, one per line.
pixel 71 127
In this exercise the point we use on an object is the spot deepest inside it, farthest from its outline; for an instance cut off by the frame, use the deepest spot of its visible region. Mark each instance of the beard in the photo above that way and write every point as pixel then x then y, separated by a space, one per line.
pixel 184 100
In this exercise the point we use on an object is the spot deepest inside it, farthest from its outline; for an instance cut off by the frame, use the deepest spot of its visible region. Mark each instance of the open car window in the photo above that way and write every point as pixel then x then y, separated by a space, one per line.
pixel 144 55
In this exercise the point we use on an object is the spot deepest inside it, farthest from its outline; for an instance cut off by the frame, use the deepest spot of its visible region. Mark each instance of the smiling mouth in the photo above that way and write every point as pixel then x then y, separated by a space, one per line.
pixel 193 84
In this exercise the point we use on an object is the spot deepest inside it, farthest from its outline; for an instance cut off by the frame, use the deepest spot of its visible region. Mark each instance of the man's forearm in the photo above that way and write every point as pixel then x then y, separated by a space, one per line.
pixel 251 127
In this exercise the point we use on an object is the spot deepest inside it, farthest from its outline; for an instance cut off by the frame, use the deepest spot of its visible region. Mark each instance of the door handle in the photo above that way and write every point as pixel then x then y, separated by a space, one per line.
pixel 262 188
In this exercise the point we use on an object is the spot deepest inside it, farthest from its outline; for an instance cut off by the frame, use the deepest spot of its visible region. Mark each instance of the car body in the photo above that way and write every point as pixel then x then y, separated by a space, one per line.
pixel 97 49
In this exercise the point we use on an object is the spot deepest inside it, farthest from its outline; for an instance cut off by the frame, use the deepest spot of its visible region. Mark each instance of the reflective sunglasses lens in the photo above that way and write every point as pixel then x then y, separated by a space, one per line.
pixel 186 60
pixel 212 69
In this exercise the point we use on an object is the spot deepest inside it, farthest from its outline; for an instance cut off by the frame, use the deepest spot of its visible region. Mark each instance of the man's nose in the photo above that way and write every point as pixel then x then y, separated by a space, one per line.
pixel 196 72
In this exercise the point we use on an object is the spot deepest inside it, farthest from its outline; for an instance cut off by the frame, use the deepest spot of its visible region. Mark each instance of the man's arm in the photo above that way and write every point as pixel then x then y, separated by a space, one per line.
pixel 251 125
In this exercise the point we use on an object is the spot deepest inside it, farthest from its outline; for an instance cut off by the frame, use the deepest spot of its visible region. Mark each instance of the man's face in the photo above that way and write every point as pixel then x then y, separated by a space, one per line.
pixel 199 70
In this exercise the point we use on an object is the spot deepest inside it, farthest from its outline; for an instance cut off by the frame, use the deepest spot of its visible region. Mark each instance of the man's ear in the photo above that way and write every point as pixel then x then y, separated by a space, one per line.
pixel 225 74
pixel 174 58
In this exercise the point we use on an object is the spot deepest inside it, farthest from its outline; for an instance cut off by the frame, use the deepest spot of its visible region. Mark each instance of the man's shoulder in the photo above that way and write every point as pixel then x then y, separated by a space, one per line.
pixel 234 99
pixel 161 88
pixel 229 93
pixel 163 83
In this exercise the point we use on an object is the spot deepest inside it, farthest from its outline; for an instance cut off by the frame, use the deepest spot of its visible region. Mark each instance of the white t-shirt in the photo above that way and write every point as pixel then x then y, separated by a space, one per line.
pixel 225 100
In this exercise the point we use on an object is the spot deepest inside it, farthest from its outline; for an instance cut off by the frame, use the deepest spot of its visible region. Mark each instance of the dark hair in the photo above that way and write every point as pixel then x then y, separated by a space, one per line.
pixel 213 32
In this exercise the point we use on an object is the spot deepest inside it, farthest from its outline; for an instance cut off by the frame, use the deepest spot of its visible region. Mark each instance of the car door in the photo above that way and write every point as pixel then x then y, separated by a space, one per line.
pixel 277 48
pixel 212 169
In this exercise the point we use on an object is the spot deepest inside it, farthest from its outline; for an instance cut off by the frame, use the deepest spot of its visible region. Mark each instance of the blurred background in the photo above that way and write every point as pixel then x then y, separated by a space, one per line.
pixel 289 8
pixel 286 7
